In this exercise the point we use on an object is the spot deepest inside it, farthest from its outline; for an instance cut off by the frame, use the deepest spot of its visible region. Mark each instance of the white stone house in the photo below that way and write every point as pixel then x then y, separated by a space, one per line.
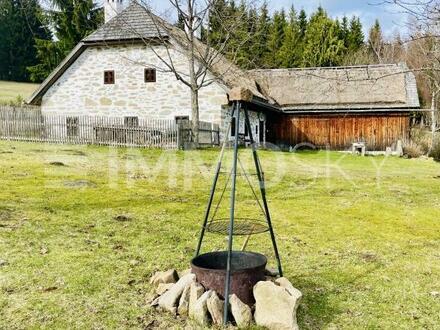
pixel 115 72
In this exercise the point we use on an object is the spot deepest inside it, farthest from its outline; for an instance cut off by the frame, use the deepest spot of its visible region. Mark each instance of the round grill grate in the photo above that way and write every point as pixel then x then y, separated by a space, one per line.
pixel 242 226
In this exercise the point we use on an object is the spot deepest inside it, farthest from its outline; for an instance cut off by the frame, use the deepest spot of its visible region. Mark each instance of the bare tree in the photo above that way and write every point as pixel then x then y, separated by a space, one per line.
pixel 207 63
pixel 423 47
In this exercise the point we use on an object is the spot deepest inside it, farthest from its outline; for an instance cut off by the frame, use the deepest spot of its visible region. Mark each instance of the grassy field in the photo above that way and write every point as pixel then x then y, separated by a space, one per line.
pixel 360 237
pixel 10 91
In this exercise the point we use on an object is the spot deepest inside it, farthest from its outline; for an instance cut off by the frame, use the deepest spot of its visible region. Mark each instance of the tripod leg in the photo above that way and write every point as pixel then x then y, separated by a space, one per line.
pixel 213 187
pixel 263 191
pixel 232 215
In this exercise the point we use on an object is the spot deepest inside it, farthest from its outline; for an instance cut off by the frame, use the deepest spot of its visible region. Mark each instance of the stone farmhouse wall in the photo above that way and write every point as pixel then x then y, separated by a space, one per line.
pixel 81 89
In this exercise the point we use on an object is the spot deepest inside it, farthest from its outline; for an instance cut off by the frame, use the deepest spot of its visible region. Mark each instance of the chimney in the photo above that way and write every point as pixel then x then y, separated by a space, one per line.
pixel 113 8
pixel 198 28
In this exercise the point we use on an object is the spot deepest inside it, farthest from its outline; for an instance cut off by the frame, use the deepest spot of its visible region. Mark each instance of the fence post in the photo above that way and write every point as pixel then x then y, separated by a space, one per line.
pixel 7 125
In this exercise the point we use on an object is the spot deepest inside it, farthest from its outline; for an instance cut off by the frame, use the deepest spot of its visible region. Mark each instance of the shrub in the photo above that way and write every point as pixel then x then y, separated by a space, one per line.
pixel 435 151
pixel 412 150
pixel 422 138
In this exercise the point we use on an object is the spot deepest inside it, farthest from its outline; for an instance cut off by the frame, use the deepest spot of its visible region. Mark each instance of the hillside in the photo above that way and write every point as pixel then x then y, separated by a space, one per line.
pixel 11 90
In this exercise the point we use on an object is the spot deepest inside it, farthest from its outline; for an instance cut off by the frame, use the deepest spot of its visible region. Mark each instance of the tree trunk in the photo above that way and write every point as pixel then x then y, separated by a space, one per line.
pixel 195 115
pixel 192 77
pixel 433 120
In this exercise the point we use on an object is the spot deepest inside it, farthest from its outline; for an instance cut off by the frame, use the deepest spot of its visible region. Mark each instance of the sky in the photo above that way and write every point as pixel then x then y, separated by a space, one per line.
pixel 390 17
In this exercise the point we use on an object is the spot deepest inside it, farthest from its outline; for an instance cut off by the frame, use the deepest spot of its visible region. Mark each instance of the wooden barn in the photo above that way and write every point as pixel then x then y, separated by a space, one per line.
pixel 334 107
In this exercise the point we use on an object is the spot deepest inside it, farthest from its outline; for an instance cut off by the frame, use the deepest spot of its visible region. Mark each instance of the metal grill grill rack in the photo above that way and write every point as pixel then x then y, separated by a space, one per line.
pixel 235 226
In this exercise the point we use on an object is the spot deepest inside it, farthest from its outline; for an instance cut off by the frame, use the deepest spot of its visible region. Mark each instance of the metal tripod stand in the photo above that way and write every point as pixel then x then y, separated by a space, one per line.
pixel 238 107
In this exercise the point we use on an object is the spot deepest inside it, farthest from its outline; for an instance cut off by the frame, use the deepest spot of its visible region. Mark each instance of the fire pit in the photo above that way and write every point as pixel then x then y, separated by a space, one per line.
pixel 231 271
pixel 247 268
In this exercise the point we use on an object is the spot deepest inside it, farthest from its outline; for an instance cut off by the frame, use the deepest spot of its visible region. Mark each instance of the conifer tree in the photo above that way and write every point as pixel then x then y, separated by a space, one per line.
pixel 344 31
pixel 276 39
pixel 290 52
pixel 323 47
pixel 302 21
pixel 375 40
pixel 21 23
pixel 259 48
pixel 71 20
pixel 355 35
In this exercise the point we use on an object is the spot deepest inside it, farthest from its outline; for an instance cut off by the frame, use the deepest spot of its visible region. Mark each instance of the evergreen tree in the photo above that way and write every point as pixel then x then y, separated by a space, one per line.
pixel 217 15
pixel 290 52
pixel 276 39
pixel 344 31
pixel 72 20
pixel 180 22
pixel 375 40
pixel 259 47
pixel 302 22
pixel 323 47
pixel 20 24
pixel 355 36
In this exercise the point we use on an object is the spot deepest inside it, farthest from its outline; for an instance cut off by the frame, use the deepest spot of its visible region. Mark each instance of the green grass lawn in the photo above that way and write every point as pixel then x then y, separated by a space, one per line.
pixel 10 91
pixel 362 244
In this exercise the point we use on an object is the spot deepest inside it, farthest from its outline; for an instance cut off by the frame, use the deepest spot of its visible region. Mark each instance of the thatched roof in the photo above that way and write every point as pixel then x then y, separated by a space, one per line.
pixel 356 87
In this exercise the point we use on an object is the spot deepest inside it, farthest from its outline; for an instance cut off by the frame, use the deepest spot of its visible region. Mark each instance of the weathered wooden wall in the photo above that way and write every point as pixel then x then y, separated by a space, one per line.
pixel 379 131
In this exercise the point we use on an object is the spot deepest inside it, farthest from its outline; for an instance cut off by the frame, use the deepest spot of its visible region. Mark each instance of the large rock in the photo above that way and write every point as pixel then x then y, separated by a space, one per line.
pixel 285 283
pixel 195 293
pixel 169 299
pixel 241 312
pixel 275 306
pixel 170 276
pixel 182 310
pixel 200 310
pixel 163 287
pixel 215 308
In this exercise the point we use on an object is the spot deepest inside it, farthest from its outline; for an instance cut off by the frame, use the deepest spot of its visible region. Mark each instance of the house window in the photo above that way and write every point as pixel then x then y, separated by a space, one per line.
pixel 109 77
pixel 131 121
pixel 233 126
pixel 72 126
pixel 150 75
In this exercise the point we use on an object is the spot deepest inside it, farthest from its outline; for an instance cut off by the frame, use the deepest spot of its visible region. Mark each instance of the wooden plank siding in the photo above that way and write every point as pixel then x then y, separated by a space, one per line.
pixel 337 131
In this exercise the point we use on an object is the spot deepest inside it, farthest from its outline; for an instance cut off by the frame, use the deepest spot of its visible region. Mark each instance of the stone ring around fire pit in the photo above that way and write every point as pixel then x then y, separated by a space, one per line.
pixel 247 268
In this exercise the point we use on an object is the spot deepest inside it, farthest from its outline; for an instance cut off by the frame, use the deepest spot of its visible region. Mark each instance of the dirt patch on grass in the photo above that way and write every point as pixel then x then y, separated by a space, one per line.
pixel 74 152
pixel 59 164
pixel 122 218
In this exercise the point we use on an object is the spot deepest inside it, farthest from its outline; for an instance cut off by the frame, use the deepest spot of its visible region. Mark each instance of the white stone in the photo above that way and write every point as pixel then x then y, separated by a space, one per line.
pixel 163 287
pixel 200 310
pixel 182 309
pixel 215 308
pixel 169 276
pixel 285 283
pixel 241 312
pixel 170 298
pixel 275 306
pixel 196 291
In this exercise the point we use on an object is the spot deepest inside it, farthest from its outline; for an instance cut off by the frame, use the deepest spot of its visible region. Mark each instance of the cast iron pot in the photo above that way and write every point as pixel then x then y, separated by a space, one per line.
pixel 247 268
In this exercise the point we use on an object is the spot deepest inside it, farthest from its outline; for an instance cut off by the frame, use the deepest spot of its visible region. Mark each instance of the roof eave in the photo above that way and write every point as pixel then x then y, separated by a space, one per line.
pixel 37 95
pixel 352 111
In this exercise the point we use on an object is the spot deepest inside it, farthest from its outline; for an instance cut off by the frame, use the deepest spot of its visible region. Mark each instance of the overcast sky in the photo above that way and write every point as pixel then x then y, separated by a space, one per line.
pixel 368 10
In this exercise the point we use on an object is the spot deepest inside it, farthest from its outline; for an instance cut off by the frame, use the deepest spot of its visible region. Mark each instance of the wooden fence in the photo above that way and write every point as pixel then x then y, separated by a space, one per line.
pixel 24 125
